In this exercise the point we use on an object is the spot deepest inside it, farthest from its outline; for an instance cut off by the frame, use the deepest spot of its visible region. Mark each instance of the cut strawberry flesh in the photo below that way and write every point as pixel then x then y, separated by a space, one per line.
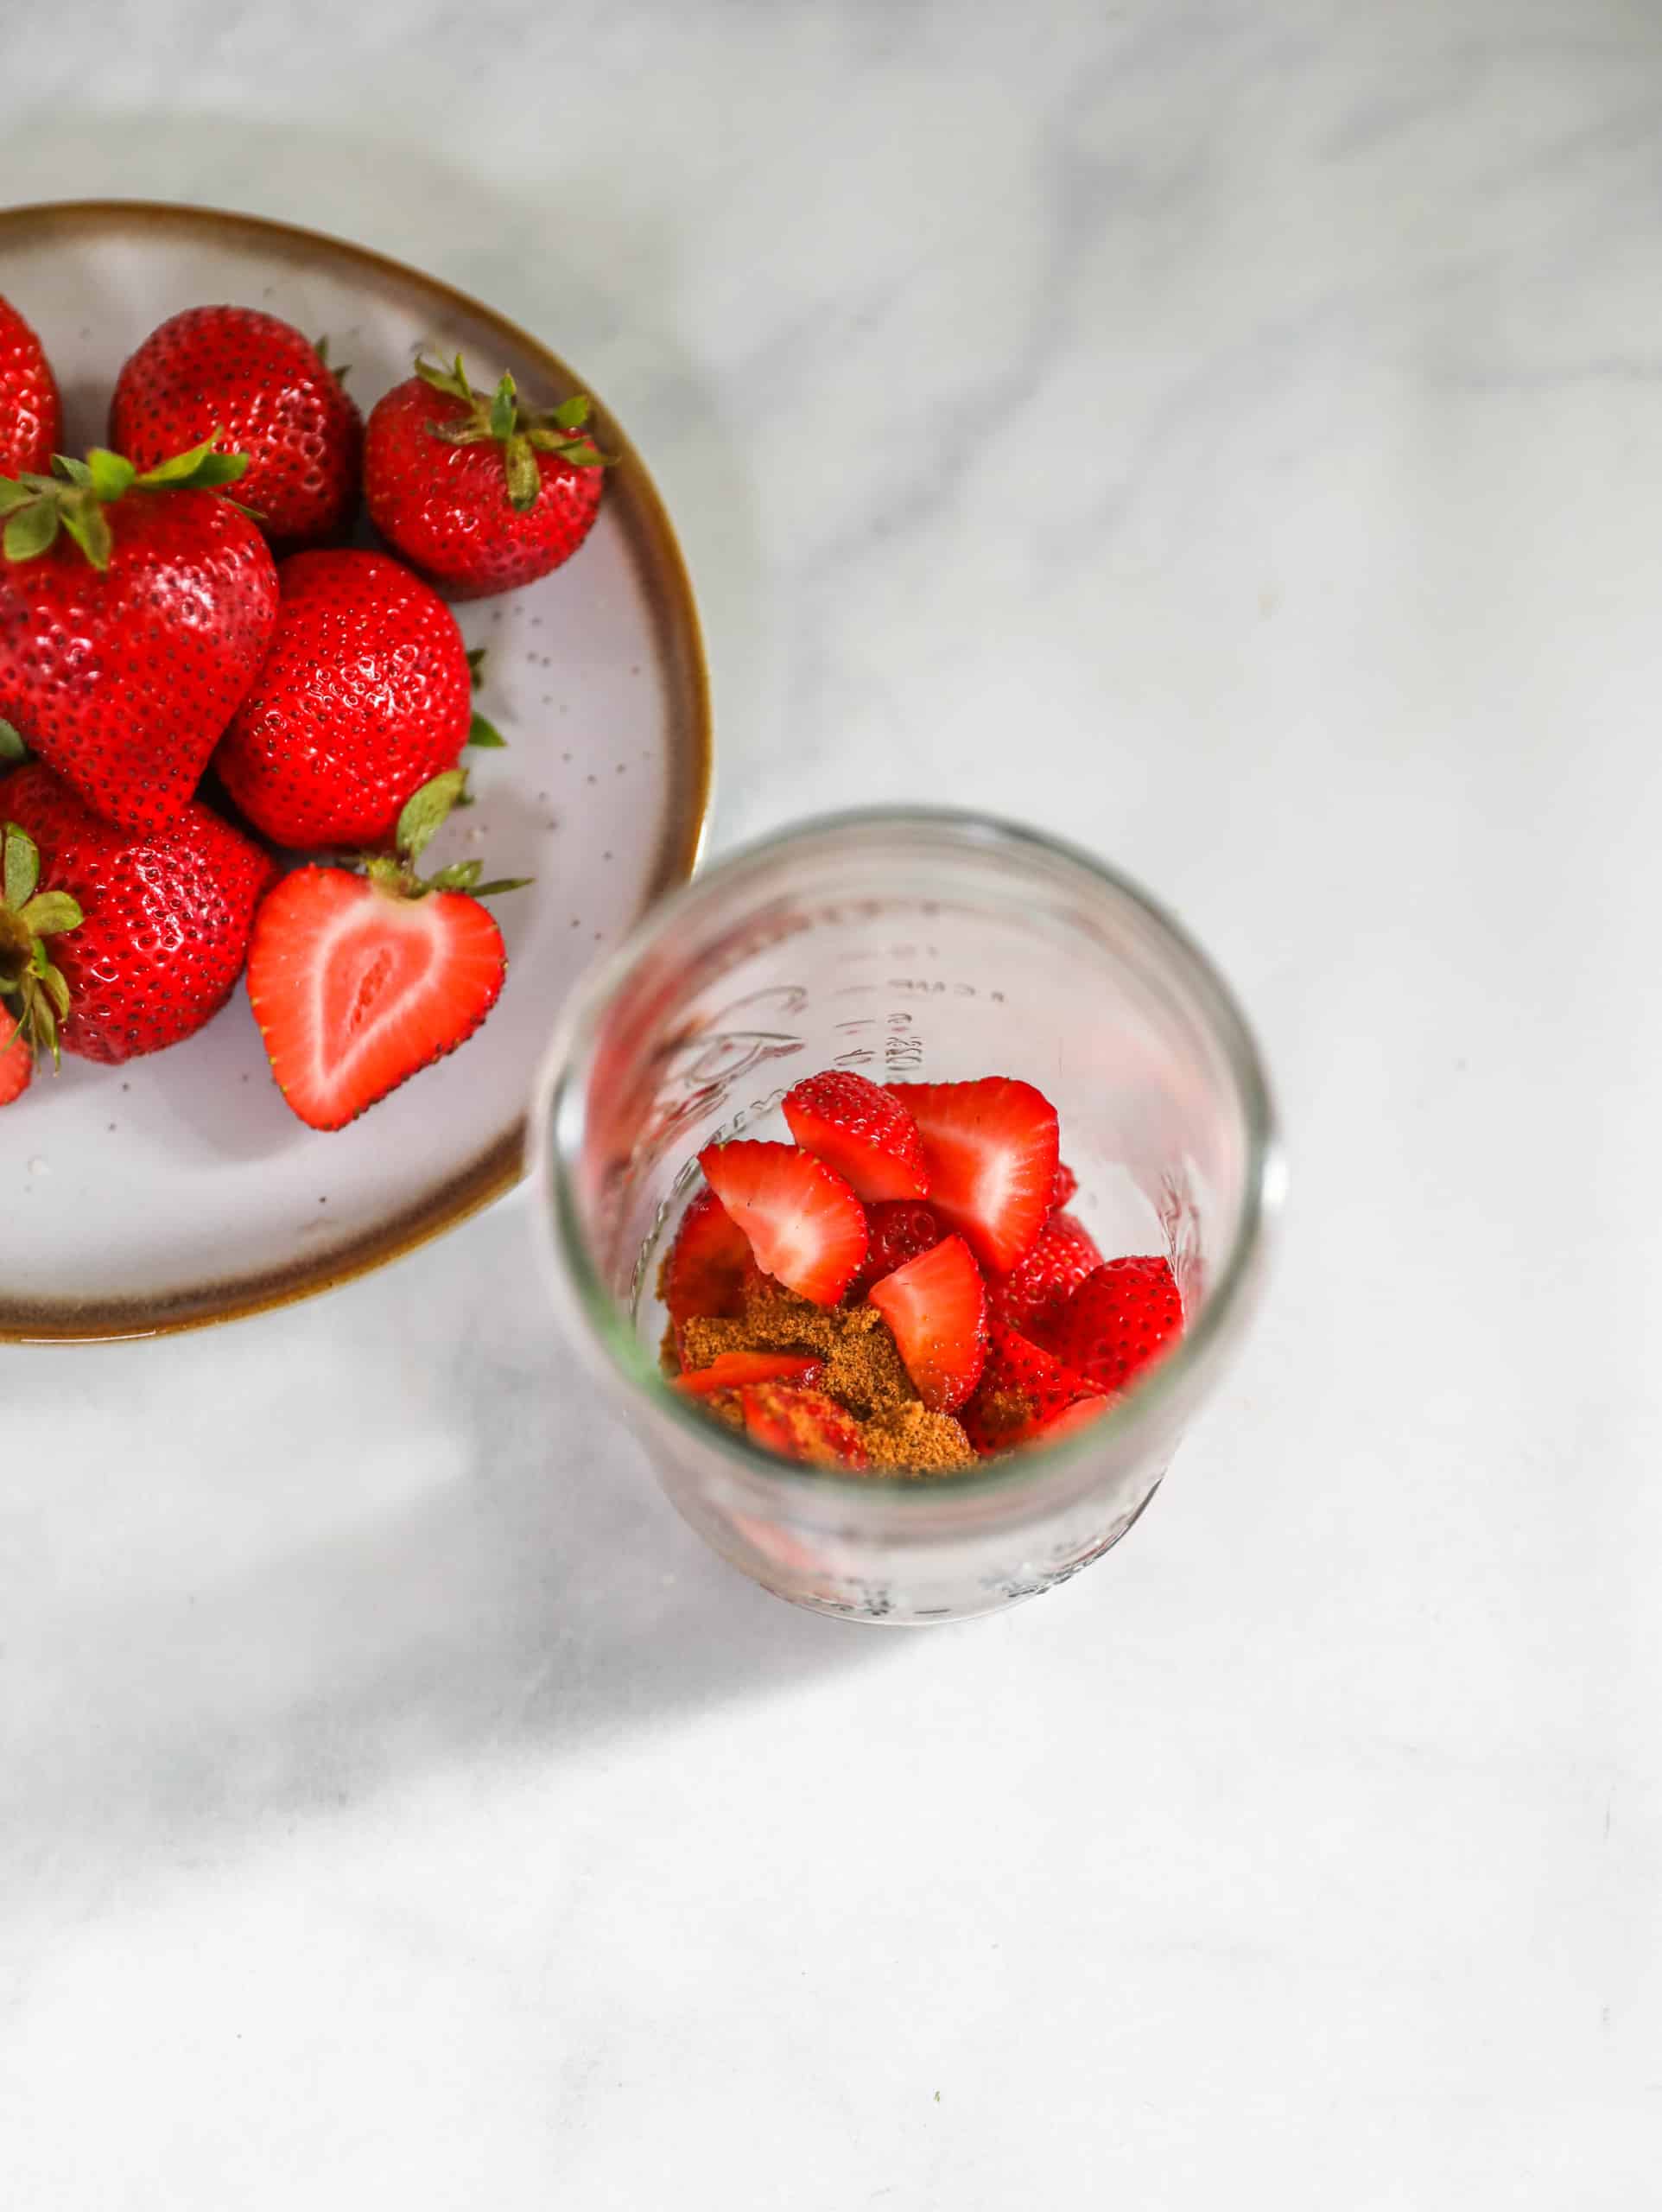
pixel 991 1149
pixel 731 1370
pixel 703 1276
pixel 1022 1389
pixel 1033 1294
pixel 356 989
pixel 936 1308
pixel 862 1131
pixel 805 1225
pixel 1122 1316
pixel 1071 1419
pixel 800 1424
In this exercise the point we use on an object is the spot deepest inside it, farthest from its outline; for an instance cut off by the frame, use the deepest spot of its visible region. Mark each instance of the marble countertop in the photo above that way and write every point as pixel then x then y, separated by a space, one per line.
pixel 1230 434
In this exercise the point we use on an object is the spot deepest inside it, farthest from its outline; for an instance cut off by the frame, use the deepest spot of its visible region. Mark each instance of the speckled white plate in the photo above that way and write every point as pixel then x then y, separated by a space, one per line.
pixel 179 1190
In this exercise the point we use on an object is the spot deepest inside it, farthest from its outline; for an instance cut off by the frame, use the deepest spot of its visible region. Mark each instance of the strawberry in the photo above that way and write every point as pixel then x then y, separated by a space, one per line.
pixel 478 493
pixel 991 1147
pixel 1068 1421
pixel 163 917
pixel 31 416
pixel 896 1231
pixel 1021 1391
pixel 703 1272
pixel 801 1424
pixel 730 1371
pixel 134 613
pixel 1063 1188
pixel 360 981
pixel 262 387
pixel 863 1131
pixel 1121 1317
pixel 364 696
pixel 1031 1295
pixel 803 1224
pixel 936 1307
pixel 16 1061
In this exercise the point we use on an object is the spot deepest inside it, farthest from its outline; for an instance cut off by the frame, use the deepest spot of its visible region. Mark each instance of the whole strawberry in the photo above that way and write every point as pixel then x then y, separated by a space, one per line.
pixel 161 919
pixel 364 696
pixel 478 493
pixel 31 416
pixel 360 981
pixel 265 390
pixel 135 611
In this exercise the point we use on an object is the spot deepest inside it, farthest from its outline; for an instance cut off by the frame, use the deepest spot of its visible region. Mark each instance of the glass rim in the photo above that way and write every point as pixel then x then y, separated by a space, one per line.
pixel 558 1121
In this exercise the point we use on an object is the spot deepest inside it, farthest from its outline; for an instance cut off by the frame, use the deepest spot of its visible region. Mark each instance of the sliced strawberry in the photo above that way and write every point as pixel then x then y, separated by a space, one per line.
pixel 1031 1296
pixel 801 1424
pixel 356 988
pixel 1022 1388
pixel 1122 1316
pixel 731 1370
pixel 899 1230
pixel 991 1148
pixel 805 1225
pixel 16 1061
pixel 863 1131
pixel 703 1271
pixel 936 1307
pixel 1068 1421
pixel 1064 1186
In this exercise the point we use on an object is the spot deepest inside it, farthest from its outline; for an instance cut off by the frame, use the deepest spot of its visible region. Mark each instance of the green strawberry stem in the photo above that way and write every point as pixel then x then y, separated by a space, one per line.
pixel 521 432
pixel 33 990
pixel 74 497
pixel 424 816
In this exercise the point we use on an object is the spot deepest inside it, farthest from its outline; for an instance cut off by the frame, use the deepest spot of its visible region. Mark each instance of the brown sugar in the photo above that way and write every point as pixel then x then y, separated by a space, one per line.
pixel 863 1371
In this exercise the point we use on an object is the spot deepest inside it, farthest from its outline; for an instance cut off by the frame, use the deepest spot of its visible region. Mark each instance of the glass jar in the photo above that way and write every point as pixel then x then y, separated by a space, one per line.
pixel 915 947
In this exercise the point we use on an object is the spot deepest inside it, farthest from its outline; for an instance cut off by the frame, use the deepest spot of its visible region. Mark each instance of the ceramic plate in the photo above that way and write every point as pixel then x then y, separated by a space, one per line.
pixel 179 1190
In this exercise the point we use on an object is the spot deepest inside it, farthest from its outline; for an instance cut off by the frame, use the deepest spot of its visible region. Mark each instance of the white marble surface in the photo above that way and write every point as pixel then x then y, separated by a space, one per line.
pixel 1233 434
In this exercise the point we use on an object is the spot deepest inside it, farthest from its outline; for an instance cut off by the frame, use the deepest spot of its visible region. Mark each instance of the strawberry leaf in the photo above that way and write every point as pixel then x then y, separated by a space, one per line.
pixel 504 412
pixel 72 471
pixel 108 474
pixel 502 883
pixel 13 495
pixel 524 478
pixel 23 867
pixel 12 747
pixel 424 815
pixel 572 414
pixel 50 913
pixel 476 664
pixel 485 735
pixel 30 531
pixel 461 875
pixel 85 520
pixel 200 469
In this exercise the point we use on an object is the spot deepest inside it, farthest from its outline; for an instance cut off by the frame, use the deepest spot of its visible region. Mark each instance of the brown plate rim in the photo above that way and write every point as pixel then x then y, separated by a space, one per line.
pixel 646 522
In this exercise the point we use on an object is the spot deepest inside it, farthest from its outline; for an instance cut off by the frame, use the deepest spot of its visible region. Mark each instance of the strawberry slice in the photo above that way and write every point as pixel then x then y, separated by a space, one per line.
pixel 801 1424
pixel 703 1271
pixel 1063 1189
pixel 1068 1421
pixel 803 1223
pixel 991 1148
pixel 731 1370
pixel 896 1232
pixel 1031 1295
pixel 936 1307
pixel 1022 1390
pixel 1122 1316
pixel 16 1061
pixel 862 1131
pixel 359 982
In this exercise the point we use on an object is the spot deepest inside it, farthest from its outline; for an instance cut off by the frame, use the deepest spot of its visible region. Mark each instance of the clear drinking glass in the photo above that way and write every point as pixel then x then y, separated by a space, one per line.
pixel 918 947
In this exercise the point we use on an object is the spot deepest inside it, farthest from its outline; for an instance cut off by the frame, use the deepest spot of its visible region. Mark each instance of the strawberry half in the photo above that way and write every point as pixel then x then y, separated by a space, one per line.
pixel 1021 1391
pixel 863 1131
pixel 703 1271
pixel 991 1148
pixel 896 1232
pixel 731 1370
pixel 1121 1317
pixel 1031 1296
pixel 358 981
pixel 801 1424
pixel 936 1307
pixel 805 1225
